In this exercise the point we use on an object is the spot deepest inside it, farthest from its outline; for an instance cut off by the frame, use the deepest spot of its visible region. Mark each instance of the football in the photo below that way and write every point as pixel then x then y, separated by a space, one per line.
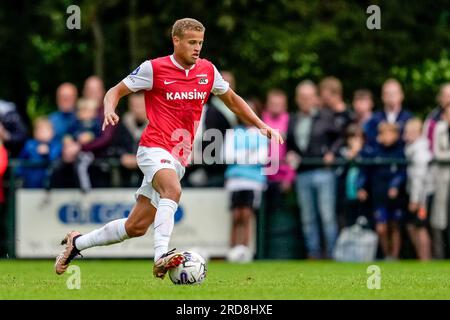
pixel 191 271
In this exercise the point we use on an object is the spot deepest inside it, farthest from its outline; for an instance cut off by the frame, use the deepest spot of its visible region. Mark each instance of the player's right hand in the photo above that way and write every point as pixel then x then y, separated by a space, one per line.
pixel 272 134
pixel 111 118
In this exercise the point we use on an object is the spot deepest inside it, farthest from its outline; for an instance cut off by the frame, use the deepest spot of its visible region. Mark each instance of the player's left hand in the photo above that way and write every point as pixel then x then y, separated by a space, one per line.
pixel 272 134
pixel 111 118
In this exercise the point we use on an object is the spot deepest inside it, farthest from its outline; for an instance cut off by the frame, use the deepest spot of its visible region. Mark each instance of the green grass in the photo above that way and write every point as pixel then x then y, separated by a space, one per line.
pixel 132 279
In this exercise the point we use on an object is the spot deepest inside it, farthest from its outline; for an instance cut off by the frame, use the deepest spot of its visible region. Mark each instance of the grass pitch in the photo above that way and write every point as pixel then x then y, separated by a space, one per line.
pixel 132 279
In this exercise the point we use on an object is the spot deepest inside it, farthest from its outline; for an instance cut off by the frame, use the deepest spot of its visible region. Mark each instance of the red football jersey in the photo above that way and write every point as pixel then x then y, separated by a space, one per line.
pixel 174 99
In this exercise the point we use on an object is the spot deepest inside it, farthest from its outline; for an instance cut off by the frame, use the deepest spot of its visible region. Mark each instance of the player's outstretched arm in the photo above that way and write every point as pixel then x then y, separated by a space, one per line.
pixel 238 105
pixel 110 102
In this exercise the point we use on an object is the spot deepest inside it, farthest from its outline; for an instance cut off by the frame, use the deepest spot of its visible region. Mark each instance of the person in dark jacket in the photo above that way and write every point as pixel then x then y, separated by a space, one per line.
pixel 386 183
pixel 310 135
pixel 64 118
pixel 126 140
pixel 393 112
pixel 331 95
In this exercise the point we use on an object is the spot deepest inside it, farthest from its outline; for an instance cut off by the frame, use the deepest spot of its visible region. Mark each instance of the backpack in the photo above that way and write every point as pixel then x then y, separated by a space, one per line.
pixel 356 243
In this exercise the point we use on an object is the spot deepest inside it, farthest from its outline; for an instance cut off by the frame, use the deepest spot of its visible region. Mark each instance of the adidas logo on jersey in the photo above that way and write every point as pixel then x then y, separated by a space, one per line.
pixel 190 95
pixel 203 81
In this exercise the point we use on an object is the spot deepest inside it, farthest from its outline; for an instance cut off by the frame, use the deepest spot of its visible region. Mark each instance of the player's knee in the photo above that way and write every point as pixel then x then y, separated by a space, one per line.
pixel 172 193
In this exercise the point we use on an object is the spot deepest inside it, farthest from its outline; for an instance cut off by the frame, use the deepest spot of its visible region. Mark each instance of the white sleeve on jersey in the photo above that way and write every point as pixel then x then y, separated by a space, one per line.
pixel 220 86
pixel 141 78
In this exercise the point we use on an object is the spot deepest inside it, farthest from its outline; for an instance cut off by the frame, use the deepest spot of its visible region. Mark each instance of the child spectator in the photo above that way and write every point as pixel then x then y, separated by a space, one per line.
pixel 418 155
pixel 385 182
pixel 246 153
pixel 85 130
pixel 87 126
pixel 42 147
pixel 363 105
pixel 354 144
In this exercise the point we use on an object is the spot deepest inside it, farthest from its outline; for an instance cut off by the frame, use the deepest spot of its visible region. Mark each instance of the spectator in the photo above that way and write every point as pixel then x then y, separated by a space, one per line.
pixel 443 99
pixel 354 144
pixel 3 167
pixel 363 105
pixel 386 183
pixel 393 112
pixel 3 213
pixel 99 175
pixel 94 89
pixel 126 140
pixel 438 185
pixel 331 95
pixel 439 211
pixel 135 119
pixel 43 147
pixel 246 152
pixel 64 119
pixel 310 134
pixel 71 169
pixel 13 132
pixel 216 116
pixel 276 116
pixel 87 126
pixel 418 155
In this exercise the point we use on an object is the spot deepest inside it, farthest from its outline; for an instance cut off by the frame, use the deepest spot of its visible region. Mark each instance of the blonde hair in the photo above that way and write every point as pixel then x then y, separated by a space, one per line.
pixel 182 25
pixel 41 121
pixel 414 122
pixel 83 104
pixel 386 126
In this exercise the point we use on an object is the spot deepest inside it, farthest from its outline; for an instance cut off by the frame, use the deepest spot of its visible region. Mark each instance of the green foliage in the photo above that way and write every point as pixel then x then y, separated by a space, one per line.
pixel 266 43
pixel 425 78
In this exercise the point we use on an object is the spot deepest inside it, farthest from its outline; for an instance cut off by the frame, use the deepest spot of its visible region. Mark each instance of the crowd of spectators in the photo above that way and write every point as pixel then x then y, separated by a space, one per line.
pixel 331 193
